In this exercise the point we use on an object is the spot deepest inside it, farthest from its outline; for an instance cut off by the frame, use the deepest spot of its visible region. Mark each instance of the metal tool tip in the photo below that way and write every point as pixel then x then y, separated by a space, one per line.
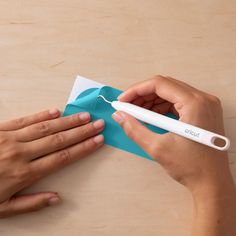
pixel 104 99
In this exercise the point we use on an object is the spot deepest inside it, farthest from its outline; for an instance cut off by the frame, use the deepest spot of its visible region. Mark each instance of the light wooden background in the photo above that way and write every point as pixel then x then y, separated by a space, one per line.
pixel 44 44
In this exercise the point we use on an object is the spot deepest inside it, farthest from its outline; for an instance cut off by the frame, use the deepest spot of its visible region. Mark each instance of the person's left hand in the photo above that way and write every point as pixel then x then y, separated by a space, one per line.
pixel 35 146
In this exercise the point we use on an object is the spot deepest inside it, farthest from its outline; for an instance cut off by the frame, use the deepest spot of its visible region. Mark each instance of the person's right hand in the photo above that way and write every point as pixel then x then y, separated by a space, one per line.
pixel 203 170
pixel 188 162
pixel 35 146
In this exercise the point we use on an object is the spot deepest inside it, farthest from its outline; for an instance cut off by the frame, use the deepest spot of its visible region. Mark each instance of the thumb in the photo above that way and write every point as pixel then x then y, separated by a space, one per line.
pixel 28 203
pixel 149 141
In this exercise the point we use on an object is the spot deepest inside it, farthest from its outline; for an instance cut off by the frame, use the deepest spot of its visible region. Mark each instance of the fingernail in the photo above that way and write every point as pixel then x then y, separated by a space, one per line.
pixel 53 201
pixel 53 112
pixel 121 95
pixel 98 124
pixel 84 116
pixel 118 116
pixel 98 139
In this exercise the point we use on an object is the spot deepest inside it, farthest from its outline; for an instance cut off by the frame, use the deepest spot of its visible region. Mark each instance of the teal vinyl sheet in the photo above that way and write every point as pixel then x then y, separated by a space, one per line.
pixel 114 135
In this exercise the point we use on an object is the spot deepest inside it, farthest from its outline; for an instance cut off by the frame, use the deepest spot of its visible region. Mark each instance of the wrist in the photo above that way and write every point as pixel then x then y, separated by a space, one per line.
pixel 215 197
pixel 215 208
pixel 214 189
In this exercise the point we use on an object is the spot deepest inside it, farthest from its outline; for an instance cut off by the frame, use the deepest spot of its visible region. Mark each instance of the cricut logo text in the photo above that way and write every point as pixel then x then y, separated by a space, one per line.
pixel 191 132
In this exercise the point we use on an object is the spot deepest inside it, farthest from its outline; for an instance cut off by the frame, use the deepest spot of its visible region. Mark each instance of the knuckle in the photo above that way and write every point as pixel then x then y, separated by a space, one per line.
pixel 3 139
pixel 22 175
pixel 83 131
pixel 74 119
pixel 198 99
pixel 153 150
pixel 20 122
pixel 215 100
pixel 156 150
pixel 13 152
pixel 206 100
pixel 86 130
pixel 216 104
pixel 91 128
pixel 129 130
pixel 88 145
pixel 44 128
pixel 58 139
pixel 159 78
pixel 35 207
pixel 64 157
pixel 5 209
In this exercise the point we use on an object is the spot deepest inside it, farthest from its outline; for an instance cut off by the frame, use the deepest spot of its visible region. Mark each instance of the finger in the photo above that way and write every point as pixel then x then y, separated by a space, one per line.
pixel 174 111
pixel 165 88
pixel 138 101
pixel 183 84
pixel 62 140
pixel 148 105
pixel 46 128
pixel 159 100
pixel 29 120
pixel 151 142
pixel 162 108
pixel 48 164
pixel 150 97
pixel 28 203
pixel 147 101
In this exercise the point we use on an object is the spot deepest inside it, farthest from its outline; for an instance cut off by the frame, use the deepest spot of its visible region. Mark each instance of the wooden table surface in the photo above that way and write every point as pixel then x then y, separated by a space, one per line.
pixel 45 44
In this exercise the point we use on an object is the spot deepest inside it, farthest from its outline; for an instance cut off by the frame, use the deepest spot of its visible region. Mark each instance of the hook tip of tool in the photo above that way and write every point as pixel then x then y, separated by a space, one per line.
pixel 104 99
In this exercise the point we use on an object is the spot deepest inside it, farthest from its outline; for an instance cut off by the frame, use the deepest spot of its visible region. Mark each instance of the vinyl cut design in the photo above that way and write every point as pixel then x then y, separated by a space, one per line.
pixel 99 109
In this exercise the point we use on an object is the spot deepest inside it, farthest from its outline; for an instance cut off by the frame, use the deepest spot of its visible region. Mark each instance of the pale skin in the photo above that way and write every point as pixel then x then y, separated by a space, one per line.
pixel 35 146
pixel 201 169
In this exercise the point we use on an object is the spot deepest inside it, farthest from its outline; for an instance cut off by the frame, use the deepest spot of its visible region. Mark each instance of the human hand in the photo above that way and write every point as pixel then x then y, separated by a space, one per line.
pixel 186 161
pixel 203 170
pixel 35 146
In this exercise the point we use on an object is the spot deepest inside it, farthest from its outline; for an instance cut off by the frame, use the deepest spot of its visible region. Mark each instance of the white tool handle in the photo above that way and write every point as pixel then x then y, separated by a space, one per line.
pixel 175 126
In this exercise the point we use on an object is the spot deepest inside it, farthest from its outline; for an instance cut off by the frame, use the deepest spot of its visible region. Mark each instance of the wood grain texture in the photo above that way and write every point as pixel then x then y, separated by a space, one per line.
pixel 45 44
